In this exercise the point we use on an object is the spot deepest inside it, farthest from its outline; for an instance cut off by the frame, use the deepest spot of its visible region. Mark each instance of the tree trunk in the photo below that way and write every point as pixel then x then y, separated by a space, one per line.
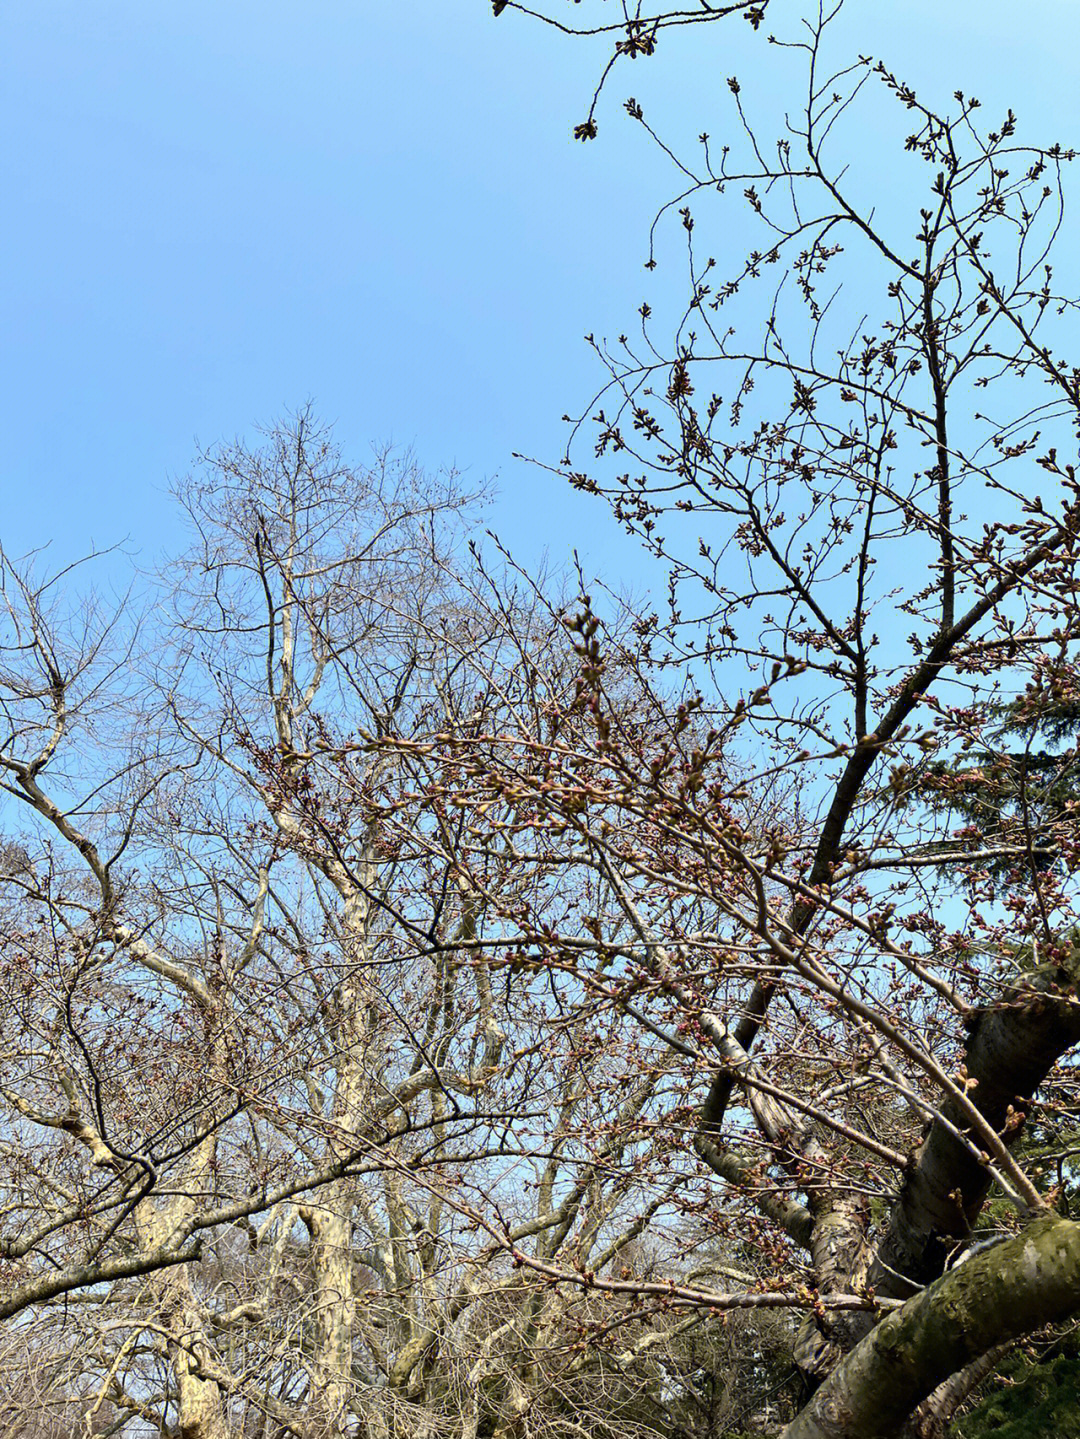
pixel 994 1297
pixel 1010 1051
pixel 199 1407
pixel 200 1404
pixel 333 1316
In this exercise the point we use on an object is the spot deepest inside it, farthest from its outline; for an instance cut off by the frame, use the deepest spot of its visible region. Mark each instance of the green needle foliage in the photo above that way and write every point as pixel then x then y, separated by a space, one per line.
pixel 1042 1401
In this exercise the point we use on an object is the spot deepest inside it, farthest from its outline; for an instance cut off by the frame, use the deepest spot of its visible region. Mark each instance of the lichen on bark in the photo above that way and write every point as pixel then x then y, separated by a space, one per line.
pixel 1001 1294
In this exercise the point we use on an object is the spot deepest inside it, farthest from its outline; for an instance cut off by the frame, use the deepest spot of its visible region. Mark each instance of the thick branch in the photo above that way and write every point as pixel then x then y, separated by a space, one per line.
pixel 994 1297
pixel 1010 1052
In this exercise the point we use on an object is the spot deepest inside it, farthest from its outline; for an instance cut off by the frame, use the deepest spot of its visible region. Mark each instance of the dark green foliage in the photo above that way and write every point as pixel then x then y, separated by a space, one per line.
pixel 1019 785
pixel 1044 1403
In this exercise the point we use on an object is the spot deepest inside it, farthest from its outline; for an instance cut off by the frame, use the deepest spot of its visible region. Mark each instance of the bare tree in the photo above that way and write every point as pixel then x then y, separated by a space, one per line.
pixel 262 1010
pixel 862 505
pixel 440 1003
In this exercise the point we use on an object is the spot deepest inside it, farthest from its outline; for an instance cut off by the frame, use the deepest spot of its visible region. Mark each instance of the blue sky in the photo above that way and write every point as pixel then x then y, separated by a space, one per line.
pixel 217 210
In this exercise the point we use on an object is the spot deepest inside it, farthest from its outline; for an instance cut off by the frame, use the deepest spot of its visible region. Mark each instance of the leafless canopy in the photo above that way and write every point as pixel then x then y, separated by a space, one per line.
pixel 441 1002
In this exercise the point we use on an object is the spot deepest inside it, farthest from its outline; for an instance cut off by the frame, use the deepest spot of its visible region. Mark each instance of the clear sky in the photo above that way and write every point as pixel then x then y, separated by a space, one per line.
pixel 218 209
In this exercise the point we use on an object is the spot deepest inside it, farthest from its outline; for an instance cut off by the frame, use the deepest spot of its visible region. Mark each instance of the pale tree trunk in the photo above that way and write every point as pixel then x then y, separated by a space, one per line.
pixel 334 1315
pixel 200 1404
pixel 349 1007
pixel 199 1401
pixel 329 1222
